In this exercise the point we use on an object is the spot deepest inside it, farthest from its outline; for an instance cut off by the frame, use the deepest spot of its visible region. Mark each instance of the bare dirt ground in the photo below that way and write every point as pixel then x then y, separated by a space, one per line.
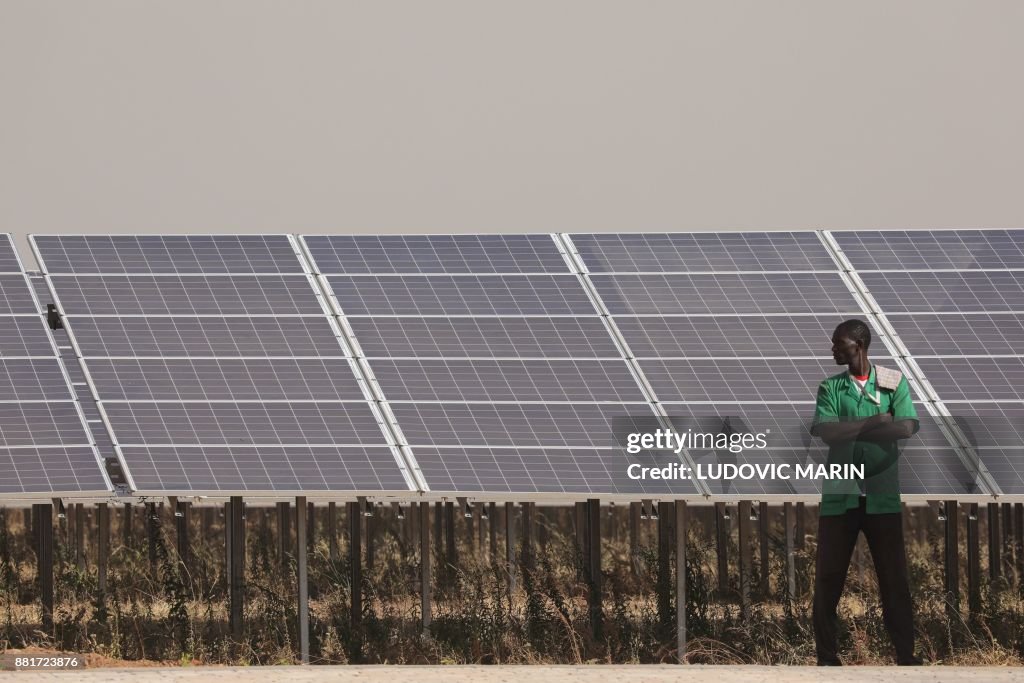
pixel 536 674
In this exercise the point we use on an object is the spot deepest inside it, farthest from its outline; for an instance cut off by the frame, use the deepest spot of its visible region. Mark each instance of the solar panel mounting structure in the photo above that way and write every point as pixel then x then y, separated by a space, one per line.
pixel 45 447
pixel 216 367
pixel 489 353
pixel 950 297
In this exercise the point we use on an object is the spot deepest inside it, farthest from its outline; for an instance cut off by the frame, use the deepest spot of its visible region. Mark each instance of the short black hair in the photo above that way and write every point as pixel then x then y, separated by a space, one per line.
pixel 855 329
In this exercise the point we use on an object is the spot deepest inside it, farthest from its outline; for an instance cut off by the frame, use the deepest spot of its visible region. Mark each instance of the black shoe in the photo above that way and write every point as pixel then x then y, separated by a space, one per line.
pixel 913 661
pixel 830 662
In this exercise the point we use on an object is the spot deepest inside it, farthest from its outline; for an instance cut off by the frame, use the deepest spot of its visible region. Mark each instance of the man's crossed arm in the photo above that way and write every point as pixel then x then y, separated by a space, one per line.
pixel 878 428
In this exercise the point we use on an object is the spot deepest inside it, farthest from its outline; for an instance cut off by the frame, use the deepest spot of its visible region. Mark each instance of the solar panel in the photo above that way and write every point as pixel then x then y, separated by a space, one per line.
pixel 954 334
pixel 724 336
pixel 41 424
pixel 45 446
pixel 952 318
pixel 184 379
pixel 990 425
pixel 8 257
pixel 441 254
pixel 499 337
pixel 976 379
pixel 697 252
pixel 141 254
pixel 507 380
pixel 192 336
pixel 1006 465
pixel 220 295
pixel 726 294
pixel 744 346
pixel 15 296
pixel 956 292
pixel 211 469
pixel 216 352
pixel 56 470
pixel 23 336
pixel 933 249
pixel 996 432
pixel 37 379
pixel 524 425
pixel 461 295
pixel 230 424
pixel 724 379
pixel 493 360
pixel 930 471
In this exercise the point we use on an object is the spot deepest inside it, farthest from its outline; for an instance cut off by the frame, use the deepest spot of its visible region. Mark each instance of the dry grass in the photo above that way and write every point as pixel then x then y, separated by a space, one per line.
pixel 179 614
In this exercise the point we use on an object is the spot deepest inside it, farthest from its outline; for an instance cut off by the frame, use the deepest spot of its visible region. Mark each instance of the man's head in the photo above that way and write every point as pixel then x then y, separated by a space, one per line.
pixel 851 339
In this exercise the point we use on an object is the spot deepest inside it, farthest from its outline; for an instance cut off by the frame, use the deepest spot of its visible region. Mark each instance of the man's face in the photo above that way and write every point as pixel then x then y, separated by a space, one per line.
pixel 844 349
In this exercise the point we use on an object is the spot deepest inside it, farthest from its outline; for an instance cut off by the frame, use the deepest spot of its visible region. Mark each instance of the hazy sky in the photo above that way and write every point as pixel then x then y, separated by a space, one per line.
pixel 554 115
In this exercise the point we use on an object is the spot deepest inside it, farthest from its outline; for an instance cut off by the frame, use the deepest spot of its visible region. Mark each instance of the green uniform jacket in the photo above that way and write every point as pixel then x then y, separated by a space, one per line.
pixel 841 399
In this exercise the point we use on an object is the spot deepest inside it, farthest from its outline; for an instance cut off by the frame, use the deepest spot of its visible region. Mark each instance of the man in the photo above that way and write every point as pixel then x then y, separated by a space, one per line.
pixel 861 414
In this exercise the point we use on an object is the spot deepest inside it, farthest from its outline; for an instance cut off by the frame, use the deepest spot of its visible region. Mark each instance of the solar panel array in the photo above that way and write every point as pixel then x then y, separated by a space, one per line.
pixel 216 366
pixel 495 364
pixel 493 360
pixel 735 328
pixel 45 447
pixel 709 318
pixel 954 298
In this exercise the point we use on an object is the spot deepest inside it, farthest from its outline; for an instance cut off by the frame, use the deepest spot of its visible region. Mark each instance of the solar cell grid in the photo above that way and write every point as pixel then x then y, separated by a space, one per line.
pixel 957 292
pixel 960 334
pixel 224 380
pixel 933 249
pixel 442 254
pixel 736 380
pixel 44 442
pixel 525 425
pixel 976 379
pixel 198 337
pixel 37 379
pixel 49 470
pixel 724 336
pixel 207 254
pixel 295 468
pixel 726 294
pixel 461 295
pixel 990 425
pixel 15 296
pixel 938 470
pixel 696 252
pixel 1006 467
pixel 22 337
pixel 240 424
pixel 191 295
pixel 506 380
pixel 193 357
pixel 533 337
pixel 8 257
pixel 41 424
